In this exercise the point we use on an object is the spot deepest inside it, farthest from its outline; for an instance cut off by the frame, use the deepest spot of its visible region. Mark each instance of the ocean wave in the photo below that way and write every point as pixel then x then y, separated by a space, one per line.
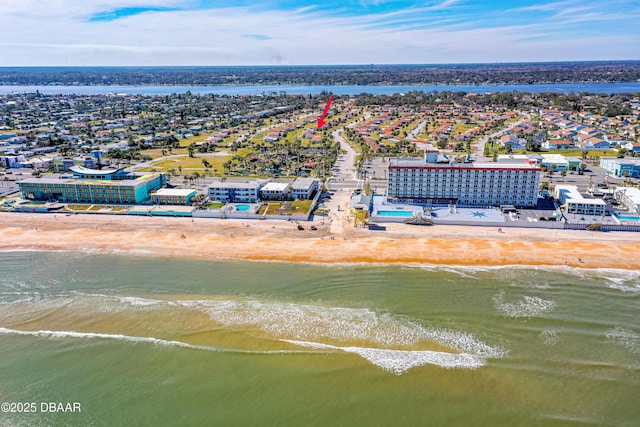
pixel 137 340
pixel 550 338
pixel 73 334
pixel 400 361
pixel 527 306
pixel 625 338
pixel 393 342
pixel 318 323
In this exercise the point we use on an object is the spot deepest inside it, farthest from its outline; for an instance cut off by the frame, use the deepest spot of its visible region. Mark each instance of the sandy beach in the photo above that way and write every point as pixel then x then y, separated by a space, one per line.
pixel 333 242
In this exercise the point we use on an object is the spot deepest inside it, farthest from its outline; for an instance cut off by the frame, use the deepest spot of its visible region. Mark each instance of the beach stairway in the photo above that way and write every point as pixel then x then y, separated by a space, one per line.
pixel 418 220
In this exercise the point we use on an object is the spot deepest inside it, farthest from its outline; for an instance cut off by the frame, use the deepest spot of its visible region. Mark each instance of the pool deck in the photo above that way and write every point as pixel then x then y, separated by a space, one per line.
pixel 469 216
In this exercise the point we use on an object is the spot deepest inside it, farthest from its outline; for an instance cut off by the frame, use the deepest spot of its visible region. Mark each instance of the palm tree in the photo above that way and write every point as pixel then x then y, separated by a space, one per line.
pixel 195 176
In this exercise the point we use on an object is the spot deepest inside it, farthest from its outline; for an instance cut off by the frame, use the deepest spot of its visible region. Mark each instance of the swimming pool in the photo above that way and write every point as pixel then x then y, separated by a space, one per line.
pixel 395 213
pixel 243 208
pixel 627 217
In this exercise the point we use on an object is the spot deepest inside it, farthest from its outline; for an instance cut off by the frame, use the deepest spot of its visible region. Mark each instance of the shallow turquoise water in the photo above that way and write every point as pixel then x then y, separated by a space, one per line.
pixel 155 341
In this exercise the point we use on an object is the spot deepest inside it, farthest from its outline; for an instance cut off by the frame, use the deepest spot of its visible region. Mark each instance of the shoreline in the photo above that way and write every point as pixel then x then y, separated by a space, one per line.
pixel 333 243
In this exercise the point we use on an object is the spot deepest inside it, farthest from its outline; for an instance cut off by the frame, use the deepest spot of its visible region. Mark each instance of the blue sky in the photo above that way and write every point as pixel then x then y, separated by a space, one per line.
pixel 287 32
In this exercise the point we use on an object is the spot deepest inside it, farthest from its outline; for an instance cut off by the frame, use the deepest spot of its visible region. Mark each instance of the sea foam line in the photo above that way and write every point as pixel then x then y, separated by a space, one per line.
pixel 400 361
pixel 136 340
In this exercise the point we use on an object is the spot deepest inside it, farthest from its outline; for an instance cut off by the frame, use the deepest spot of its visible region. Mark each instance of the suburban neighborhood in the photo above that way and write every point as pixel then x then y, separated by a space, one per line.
pixel 265 157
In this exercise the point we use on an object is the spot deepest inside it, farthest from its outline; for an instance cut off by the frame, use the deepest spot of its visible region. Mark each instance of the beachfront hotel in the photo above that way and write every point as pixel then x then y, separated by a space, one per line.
pixel 572 202
pixel 435 180
pixel 94 186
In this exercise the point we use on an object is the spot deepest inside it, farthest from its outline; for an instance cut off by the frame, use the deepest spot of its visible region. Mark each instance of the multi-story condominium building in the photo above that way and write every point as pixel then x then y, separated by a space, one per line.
pixel 276 191
pixel 244 192
pixel 572 202
pixel 436 181
pixel 303 188
pixel 134 190
pixel 622 167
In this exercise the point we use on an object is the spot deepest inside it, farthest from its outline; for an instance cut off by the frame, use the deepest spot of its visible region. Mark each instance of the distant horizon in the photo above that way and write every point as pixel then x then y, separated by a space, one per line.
pixel 212 33
pixel 586 61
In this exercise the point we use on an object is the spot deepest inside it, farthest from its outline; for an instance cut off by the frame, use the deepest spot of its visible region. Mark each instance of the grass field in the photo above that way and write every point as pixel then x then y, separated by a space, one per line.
pixel 270 209
pixel 213 205
pixel 157 152
pixel 198 138
pixel 301 205
pixel 187 162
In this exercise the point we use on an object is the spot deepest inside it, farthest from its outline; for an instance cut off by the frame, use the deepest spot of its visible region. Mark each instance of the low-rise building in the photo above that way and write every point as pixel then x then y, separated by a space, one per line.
pixel 557 161
pixel 173 196
pixel 304 188
pixel 276 191
pixel 233 191
pixel 621 167
pixel 572 202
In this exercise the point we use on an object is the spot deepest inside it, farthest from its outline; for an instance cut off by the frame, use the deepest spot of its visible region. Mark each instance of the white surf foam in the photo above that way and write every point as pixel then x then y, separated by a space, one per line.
pixel 626 338
pixel 318 323
pixel 139 302
pixel 623 284
pixel 527 306
pixel 73 334
pixel 550 338
pixel 136 340
pixel 400 361
pixel 313 326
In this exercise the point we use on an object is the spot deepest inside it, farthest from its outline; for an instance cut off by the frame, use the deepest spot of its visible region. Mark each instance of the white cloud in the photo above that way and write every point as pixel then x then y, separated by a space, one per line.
pixel 56 32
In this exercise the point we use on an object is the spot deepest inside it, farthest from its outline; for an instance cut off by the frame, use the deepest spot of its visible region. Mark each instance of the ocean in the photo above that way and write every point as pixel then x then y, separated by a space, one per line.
pixel 141 340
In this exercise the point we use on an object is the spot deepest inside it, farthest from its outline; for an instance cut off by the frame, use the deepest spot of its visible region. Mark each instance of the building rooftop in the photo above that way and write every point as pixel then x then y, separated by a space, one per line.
pixel 570 192
pixel 631 193
pixel 303 183
pixel 181 192
pixel 137 180
pixel 276 186
pixel 420 163
pixel 625 161
pixel 86 171
pixel 251 185
pixel 554 158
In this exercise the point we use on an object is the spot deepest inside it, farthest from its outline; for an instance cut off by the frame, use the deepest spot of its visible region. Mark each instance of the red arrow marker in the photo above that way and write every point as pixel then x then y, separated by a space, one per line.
pixel 324 114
